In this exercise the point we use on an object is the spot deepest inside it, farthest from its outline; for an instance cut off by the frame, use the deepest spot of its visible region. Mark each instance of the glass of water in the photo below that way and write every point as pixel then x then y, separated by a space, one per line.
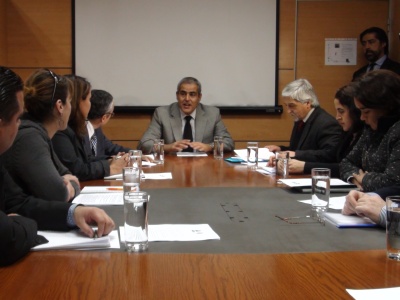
pixel 131 179
pixel 136 221
pixel 320 191
pixel 252 155
pixel 218 147
pixel 158 151
pixel 393 227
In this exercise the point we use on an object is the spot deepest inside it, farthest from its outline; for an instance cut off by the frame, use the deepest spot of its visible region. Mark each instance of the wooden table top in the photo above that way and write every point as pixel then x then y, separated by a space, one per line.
pixel 119 275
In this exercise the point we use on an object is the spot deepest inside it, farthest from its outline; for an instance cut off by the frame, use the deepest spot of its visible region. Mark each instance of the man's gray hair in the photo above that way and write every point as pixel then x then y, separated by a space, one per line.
pixel 189 80
pixel 302 91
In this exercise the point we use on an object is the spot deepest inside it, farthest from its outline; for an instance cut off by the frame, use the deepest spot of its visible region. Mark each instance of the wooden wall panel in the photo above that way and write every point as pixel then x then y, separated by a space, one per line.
pixel 25 72
pixel 287 33
pixel 39 34
pixel 395 37
pixel 3 41
pixel 318 20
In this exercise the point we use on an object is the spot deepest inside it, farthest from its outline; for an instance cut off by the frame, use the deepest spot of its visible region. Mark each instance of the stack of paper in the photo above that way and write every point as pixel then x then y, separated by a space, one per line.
pixel 263 154
pixel 165 175
pixel 101 189
pixel 75 239
pixel 304 185
pixel 191 154
pixel 100 199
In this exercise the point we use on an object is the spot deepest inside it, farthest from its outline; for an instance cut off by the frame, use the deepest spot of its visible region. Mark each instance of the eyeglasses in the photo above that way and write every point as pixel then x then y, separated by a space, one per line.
pixel 56 80
pixel 298 219
pixel 111 114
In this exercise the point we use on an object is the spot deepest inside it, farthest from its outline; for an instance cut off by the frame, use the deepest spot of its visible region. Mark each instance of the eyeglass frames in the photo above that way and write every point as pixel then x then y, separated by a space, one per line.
pixel 56 80
pixel 111 114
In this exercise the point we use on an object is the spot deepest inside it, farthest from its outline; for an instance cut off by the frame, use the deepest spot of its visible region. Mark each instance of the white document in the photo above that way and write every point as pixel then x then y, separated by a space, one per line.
pixel 165 175
pixel 147 163
pixel 114 177
pixel 373 294
pixel 263 169
pixel 102 189
pixel 100 199
pixel 178 232
pixel 334 202
pixel 296 182
pixel 263 154
pixel 75 239
pixel 191 154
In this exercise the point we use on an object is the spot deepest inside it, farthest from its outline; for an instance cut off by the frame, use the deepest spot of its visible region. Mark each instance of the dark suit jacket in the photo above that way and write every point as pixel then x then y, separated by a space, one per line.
pixel 388 191
pixel 18 234
pixel 346 142
pixel 319 139
pixel 167 124
pixel 388 64
pixel 105 148
pixel 72 151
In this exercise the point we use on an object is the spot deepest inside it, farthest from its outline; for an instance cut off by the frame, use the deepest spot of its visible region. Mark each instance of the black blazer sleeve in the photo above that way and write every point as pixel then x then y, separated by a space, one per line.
pixel 17 236
pixel 388 191
pixel 71 151
pixel 18 233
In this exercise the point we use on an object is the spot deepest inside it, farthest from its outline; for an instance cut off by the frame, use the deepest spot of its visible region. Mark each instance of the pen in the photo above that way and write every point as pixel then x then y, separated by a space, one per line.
pixel 115 189
pixel 95 234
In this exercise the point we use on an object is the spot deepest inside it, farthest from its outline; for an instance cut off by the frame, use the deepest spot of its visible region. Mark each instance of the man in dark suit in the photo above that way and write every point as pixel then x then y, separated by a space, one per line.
pixel 186 125
pixel 315 133
pixel 375 45
pixel 101 110
pixel 21 215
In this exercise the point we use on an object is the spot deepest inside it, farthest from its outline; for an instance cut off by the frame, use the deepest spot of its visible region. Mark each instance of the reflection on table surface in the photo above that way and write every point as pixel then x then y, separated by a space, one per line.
pixel 201 172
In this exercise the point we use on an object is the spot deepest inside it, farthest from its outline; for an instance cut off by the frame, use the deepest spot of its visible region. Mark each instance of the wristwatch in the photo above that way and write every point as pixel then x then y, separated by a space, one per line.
pixel 211 145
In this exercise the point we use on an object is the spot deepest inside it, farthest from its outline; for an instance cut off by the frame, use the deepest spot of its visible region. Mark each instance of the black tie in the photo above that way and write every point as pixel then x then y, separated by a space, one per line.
pixel 187 133
pixel 371 67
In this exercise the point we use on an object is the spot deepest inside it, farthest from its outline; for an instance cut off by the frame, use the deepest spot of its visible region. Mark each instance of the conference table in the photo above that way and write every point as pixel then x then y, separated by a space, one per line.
pixel 259 255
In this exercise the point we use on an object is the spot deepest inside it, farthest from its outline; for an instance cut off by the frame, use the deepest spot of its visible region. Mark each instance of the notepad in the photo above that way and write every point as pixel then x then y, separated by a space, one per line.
pixel 342 221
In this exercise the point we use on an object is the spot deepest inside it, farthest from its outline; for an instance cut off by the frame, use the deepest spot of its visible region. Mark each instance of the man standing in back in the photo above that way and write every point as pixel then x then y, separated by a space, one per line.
pixel 375 45
pixel 186 125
